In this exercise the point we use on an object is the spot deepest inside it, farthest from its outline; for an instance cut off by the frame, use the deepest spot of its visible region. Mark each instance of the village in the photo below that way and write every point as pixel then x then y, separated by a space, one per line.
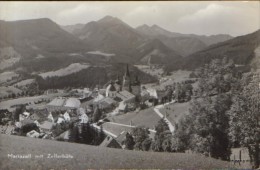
pixel 98 107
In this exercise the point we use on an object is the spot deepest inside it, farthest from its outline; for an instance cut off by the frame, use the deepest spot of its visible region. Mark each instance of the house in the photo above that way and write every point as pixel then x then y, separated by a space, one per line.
pixel 37 123
pixel 107 104
pixel 63 136
pixel 53 117
pixel 121 138
pixel 125 96
pixel 40 115
pixel 46 126
pixel 60 120
pixel 24 115
pixel 145 95
pixel 110 142
pixel 98 98
pixel 83 118
pixel 63 104
pixel 26 121
pixel 66 116
pixel 72 103
pixel 33 134
pixel 122 107
pixel 56 104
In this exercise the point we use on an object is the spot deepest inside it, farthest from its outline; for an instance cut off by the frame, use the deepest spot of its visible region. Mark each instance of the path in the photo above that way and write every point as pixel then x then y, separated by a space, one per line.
pixel 156 109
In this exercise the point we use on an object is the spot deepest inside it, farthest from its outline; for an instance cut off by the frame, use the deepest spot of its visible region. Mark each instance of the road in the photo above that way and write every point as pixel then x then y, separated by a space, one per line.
pixel 157 110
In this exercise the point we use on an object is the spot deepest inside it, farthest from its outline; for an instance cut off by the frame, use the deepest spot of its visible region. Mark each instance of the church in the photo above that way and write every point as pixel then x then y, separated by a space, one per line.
pixel 127 84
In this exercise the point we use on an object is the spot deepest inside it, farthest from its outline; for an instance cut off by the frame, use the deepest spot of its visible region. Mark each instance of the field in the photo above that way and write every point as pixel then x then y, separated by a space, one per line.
pixel 147 118
pixel 85 157
pixel 6 76
pixel 5 91
pixel 75 67
pixel 175 111
pixel 26 100
pixel 24 82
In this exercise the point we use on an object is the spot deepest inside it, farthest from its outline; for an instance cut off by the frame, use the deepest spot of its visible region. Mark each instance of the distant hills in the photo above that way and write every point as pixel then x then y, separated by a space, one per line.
pixel 43 45
pixel 240 49
pixel 112 35
pixel 30 37
pixel 184 44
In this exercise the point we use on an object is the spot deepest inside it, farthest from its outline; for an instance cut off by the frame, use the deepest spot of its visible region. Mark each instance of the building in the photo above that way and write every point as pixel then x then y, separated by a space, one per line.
pixel 63 104
pixel 125 96
pixel 33 134
pixel 46 126
pixel 136 87
pixel 110 142
pixel 127 80
pixel 127 85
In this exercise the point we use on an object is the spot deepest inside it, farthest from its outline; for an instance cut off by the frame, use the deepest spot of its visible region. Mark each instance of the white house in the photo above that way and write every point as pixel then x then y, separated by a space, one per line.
pixel 66 116
pixel 33 134
pixel 50 117
pixel 83 118
pixel 60 120
pixel 24 115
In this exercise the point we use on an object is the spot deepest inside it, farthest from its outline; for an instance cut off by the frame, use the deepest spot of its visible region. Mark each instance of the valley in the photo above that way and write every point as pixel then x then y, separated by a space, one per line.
pixel 173 97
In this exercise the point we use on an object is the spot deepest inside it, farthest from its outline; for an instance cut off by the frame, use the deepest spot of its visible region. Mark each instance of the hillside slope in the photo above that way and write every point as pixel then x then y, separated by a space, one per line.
pixel 85 156
pixel 184 44
pixel 240 49
pixel 38 36
pixel 111 35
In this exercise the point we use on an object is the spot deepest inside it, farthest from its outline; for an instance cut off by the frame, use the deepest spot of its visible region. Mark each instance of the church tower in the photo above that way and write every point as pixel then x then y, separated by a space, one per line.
pixel 127 80
pixel 136 87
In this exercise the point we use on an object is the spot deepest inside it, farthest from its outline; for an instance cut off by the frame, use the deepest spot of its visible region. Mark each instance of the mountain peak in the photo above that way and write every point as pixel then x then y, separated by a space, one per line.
pixel 144 26
pixel 109 18
pixel 155 26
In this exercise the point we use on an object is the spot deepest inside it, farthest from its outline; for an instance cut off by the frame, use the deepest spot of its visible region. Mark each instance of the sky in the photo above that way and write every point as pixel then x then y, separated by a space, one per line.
pixel 203 18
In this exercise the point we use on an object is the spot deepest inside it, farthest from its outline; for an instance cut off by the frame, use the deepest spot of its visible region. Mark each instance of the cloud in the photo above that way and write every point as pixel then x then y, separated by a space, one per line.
pixel 204 17
pixel 216 18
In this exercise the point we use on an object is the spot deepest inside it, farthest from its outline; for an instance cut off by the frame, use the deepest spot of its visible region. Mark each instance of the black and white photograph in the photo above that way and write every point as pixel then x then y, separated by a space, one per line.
pixel 129 85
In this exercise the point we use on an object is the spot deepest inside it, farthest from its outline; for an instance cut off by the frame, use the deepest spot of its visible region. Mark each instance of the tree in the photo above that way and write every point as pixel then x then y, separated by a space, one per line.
pixel 208 119
pixel 86 134
pixel 244 117
pixel 74 133
pixel 140 134
pixel 161 136
pixel 27 128
pixel 19 110
pixel 129 142
pixel 97 114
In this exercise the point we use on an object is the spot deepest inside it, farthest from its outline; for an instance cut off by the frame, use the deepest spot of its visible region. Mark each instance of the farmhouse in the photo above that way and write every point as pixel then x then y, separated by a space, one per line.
pixel 46 126
pixel 63 104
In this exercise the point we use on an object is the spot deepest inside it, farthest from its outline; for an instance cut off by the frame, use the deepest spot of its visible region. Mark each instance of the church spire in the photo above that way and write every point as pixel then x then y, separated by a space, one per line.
pixel 127 73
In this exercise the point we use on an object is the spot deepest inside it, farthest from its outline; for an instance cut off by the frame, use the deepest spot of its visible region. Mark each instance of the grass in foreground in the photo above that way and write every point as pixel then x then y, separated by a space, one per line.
pixel 85 157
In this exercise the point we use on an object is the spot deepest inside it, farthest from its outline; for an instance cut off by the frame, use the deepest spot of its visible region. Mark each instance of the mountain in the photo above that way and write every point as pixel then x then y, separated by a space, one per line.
pixel 42 45
pixel 241 49
pixel 184 44
pixel 31 37
pixel 111 35
pixel 72 28
pixel 155 30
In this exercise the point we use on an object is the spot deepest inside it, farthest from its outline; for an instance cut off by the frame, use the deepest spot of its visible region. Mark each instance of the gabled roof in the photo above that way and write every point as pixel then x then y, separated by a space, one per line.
pixel 72 102
pixel 125 95
pixel 120 138
pixel 110 142
pixel 58 101
pixel 26 121
pixel 46 125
